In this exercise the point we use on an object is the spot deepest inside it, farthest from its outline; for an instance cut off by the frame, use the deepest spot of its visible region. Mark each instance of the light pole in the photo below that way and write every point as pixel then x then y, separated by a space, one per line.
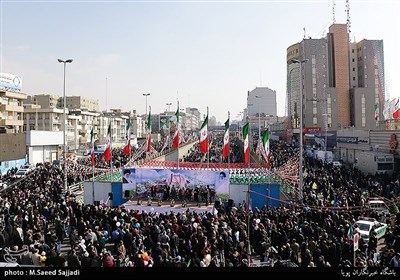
pixel 145 95
pixel 300 62
pixel 64 124
pixel 169 104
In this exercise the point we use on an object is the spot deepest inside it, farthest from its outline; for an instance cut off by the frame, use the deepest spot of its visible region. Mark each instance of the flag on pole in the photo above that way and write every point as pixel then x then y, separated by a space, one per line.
pixel 246 142
pixel 376 107
pixel 266 148
pixel 175 143
pixel 350 234
pixel 396 111
pixel 149 132
pixel 204 136
pixel 127 148
pixel 92 146
pixel 225 151
pixel 107 151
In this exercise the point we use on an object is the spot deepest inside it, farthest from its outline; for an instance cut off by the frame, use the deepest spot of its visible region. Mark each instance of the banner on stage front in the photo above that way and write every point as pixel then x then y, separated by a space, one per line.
pixel 152 182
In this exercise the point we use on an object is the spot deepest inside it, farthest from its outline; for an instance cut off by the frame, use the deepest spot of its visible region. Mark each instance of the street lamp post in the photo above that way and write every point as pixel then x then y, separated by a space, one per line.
pixel 300 62
pixel 169 105
pixel 145 95
pixel 64 125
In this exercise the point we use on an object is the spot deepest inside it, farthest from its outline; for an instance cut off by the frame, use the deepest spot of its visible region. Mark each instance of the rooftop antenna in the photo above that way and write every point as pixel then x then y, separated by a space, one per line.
pixel 304 30
pixel 348 17
pixel 333 11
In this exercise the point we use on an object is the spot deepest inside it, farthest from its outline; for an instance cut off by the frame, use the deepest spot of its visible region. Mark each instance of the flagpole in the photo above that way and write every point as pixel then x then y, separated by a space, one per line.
pixel 177 128
pixel 208 147
pixel 129 137
pixel 92 155
pixel 111 167
pixel 354 252
pixel 269 168
pixel 148 148
pixel 248 198
pixel 229 126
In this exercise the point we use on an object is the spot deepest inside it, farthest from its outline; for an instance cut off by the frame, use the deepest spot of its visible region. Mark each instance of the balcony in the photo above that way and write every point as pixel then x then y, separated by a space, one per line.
pixel 5 122
pixel 11 108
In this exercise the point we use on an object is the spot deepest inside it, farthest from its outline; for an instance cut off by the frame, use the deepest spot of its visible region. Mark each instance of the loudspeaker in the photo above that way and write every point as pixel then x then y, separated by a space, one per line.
pixel 230 203
pixel 96 203
pixel 110 195
pixel 126 194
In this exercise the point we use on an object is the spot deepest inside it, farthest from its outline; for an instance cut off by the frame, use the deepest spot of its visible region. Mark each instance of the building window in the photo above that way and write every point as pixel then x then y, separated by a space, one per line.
pixel 352 51
pixel 354 78
pixel 352 60
pixel 354 69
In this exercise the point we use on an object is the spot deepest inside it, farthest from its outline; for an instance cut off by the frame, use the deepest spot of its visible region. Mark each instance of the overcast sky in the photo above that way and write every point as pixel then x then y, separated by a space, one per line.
pixel 206 53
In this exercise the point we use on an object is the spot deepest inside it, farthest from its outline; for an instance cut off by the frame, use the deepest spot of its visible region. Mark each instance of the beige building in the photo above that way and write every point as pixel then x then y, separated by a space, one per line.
pixel 11 108
pixel 38 118
pixel 82 103
pixel 45 100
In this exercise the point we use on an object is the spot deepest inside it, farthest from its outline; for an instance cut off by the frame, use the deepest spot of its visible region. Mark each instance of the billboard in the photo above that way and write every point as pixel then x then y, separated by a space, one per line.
pixel 145 182
pixel 167 122
pixel 10 82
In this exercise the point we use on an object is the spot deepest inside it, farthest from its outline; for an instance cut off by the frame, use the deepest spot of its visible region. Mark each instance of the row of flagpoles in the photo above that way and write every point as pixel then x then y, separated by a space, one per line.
pixel 204 140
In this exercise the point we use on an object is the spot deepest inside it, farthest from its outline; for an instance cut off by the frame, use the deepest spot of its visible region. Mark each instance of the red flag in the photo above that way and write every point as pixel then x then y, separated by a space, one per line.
pixel 225 151
pixel 107 151
pixel 127 148
pixel 149 132
pixel 204 136
pixel 246 142
pixel 175 143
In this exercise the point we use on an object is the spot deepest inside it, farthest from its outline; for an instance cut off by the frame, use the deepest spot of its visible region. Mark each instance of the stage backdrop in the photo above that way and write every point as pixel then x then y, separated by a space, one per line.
pixel 141 180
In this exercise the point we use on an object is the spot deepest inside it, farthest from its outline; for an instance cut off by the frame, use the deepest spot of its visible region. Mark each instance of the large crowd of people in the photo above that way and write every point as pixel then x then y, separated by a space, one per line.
pixel 37 218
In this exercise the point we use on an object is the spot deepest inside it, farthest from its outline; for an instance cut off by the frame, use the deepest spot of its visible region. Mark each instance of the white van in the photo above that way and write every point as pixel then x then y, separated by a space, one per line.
pixel 378 204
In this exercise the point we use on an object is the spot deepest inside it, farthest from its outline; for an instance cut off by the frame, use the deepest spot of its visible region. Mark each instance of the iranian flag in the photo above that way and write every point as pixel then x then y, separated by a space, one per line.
pixel 175 143
pixel 376 108
pixel 246 142
pixel 350 235
pixel 225 151
pixel 149 132
pixel 204 136
pixel 266 148
pixel 107 151
pixel 127 148
pixel 396 110
pixel 92 146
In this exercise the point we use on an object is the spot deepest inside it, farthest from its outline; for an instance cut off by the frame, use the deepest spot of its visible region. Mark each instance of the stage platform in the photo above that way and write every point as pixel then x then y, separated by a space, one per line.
pixel 166 206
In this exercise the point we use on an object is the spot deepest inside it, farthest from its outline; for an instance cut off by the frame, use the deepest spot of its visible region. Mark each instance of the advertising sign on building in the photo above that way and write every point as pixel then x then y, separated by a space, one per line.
pixel 311 129
pixel 10 82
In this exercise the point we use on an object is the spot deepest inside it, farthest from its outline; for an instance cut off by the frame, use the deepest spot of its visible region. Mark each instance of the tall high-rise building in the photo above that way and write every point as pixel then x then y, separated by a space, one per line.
pixel 343 82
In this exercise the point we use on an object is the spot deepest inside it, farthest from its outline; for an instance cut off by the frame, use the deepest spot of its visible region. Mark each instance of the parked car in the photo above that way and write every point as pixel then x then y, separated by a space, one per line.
pixel 336 163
